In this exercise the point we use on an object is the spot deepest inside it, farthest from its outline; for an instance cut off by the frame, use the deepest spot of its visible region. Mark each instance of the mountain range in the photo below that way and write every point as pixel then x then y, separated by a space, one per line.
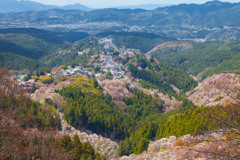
pixel 210 14
pixel 143 6
pixel 23 5
pixel 27 5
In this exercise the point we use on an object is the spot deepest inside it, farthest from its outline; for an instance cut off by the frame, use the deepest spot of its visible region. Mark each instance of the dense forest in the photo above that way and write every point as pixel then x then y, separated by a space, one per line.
pixel 48 36
pixel 89 108
pixel 193 121
pixel 139 123
pixel 33 48
pixel 161 74
pixel 207 58
pixel 34 53
pixel 17 62
pixel 23 51
pixel 153 78
pixel 27 45
pixel 70 56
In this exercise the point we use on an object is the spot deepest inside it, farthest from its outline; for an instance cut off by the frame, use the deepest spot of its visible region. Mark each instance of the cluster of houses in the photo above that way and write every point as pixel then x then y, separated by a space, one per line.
pixel 26 85
pixel 117 71
pixel 106 63
pixel 73 72
pixel 20 78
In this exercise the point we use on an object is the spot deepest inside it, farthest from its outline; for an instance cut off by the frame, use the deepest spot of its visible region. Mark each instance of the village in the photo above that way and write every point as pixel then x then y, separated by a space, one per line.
pixel 109 65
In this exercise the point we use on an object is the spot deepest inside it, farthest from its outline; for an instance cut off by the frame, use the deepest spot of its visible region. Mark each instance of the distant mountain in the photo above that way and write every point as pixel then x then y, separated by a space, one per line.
pixel 211 14
pixel 144 6
pixel 18 6
pixel 76 7
pixel 24 5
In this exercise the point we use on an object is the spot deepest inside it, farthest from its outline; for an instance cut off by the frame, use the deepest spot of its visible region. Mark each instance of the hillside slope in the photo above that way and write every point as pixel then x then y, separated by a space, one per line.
pixel 219 89
pixel 26 48
pixel 137 40
pixel 205 59
pixel 26 45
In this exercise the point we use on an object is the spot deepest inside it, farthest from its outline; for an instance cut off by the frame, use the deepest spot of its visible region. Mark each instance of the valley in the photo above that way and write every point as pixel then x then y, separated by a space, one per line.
pixel 120 84
pixel 120 74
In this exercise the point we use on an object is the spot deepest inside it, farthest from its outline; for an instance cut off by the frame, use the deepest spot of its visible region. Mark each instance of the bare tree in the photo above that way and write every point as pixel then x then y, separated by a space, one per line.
pixel 231 90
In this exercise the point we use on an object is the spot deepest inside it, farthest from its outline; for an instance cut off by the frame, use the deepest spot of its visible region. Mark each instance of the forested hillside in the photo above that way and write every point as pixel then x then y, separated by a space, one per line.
pixel 28 128
pixel 70 56
pixel 49 36
pixel 26 45
pixel 161 74
pixel 33 49
pixel 139 123
pixel 18 62
pixel 142 41
pixel 206 59
pixel 89 108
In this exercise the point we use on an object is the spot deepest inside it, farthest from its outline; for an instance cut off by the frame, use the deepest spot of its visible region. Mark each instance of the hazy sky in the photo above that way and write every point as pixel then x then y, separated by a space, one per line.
pixel 111 3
